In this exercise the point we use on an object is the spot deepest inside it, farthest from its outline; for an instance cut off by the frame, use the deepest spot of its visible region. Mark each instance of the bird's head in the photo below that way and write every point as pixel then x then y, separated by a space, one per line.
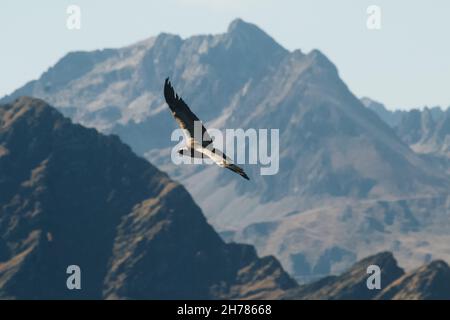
pixel 183 151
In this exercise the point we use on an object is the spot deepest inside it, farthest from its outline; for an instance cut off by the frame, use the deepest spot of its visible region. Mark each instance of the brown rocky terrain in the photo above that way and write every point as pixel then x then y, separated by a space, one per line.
pixel 429 282
pixel 69 195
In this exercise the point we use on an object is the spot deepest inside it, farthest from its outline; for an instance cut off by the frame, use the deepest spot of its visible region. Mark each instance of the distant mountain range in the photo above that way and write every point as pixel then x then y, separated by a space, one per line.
pixel 349 183
pixel 69 195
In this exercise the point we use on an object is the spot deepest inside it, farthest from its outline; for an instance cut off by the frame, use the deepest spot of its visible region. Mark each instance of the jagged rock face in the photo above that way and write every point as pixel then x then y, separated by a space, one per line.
pixel 414 126
pixel 430 282
pixel 67 188
pixel 185 265
pixel 351 284
pixel 427 131
pixel 69 195
pixel 438 141
pixel 392 118
pixel 337 158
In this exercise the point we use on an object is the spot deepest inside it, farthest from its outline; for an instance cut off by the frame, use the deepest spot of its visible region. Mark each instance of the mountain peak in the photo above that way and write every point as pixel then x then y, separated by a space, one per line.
pixel 431 281
pixel 439 265
pixel 380 259
pixel 321 59
pixel 27 109
pixel 251 33
pixel 352 283
pixel 165 37
pixel 239 25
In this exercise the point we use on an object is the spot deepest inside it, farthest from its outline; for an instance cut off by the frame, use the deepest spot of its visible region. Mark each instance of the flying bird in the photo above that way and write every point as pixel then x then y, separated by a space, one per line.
pixel 196 148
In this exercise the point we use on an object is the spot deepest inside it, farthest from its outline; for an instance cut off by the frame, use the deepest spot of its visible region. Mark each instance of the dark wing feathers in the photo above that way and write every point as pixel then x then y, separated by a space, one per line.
pixel 183 115
pixel 238 170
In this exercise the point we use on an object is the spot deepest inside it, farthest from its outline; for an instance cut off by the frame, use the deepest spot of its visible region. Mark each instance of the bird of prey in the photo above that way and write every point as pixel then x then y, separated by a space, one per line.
pixel 196 148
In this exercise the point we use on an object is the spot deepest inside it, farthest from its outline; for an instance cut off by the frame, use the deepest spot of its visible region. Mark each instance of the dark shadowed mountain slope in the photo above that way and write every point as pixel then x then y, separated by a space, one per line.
pixel 69 195
pixel 429 282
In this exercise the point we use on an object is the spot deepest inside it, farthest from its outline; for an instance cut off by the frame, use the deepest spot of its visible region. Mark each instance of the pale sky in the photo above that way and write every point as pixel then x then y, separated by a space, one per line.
pixel 405 64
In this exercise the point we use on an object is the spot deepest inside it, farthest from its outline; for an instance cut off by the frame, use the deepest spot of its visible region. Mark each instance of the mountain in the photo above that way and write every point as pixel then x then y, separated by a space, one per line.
pixel 346 182
pixel 424 134
pixel 391 117
pixel 426 131
pixel 429 282
pixel 69 195
pixel 351 284
pixel 394 116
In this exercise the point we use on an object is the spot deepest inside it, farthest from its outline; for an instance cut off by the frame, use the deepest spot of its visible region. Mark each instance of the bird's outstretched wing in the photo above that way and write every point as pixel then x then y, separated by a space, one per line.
pixel 183 115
